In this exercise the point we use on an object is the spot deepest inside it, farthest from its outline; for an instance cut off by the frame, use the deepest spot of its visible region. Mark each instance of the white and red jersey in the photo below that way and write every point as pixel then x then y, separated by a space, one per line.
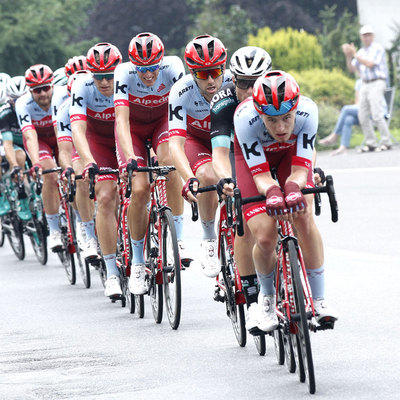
pixel 189 111
pixel 146 104
pixel 88 104
pixel 63 122
pixel 31 116
pixel 256 143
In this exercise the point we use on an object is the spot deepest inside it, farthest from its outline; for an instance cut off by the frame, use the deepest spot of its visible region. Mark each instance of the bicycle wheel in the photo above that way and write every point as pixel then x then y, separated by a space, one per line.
pixel 14 229
pixel 138 301
pixel 155 287
pixel 2 236
pixel 234 311
pixel 278 345
pixel 260 344
pixel 289 353
pixel 171 269
pixel 65 255
pixel 303 342
pixel 37 232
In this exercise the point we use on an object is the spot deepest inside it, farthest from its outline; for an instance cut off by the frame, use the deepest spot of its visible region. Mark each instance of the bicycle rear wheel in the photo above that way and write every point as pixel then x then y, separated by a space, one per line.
pixel 65 254
pixel 259 341
pixel 37 232
pixel 137 304
pixel 171 269
pixel 14 234
pixel 234 311
pixel 303 342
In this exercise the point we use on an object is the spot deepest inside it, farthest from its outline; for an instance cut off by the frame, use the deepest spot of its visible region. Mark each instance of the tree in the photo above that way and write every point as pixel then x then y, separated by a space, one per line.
pixel 40 31
pixel 334 33
pixel 289 48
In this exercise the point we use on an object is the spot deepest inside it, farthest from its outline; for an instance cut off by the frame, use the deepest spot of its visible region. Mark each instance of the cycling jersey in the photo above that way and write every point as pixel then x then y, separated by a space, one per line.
pixel 88 104
pixel 223 106
pixel 256 151
pixel 9 127
pixel 63 123
pixel 146 104
pixel 189 111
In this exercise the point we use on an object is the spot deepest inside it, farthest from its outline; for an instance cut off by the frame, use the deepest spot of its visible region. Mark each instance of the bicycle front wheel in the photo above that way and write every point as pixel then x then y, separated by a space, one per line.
pixel 2 236
pixel 15 236
pixel 37 232
pixel 171 269
pixel 303 342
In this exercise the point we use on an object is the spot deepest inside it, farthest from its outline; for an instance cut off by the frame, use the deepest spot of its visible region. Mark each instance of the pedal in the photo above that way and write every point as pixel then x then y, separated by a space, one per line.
pixel 322 326
pixel 57 249
pixel 218 296
pixel 186 262
pixel 256 331
pixel 116 297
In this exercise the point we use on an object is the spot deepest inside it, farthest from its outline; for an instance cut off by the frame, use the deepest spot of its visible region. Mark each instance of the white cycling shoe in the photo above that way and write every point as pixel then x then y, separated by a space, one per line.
pixel 268 321
pixel 112 287
pixel 137 280
pixel 210 264
pixel 54 241
pixel 89 251
pixel 322 312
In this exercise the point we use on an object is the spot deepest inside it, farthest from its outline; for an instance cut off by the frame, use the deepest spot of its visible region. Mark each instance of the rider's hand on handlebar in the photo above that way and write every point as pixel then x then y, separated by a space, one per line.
pixel 130 165
pixel 319 177
pixel 15 172
pixel 36 170
pixel 275 202
pixel 68 172
pixel 295 201
pixel 225 187
pixel 189 189
pixel 91 166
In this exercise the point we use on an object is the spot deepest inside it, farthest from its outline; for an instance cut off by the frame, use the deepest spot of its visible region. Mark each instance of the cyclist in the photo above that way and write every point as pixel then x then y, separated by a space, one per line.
pixel 59 77
pixel 92 123
pixel 12 136
pixel 189 133
pixel 74 64
pixel 277 128
pixel 71 163
pixel 34 110
pixel 141 94
pixel 246 65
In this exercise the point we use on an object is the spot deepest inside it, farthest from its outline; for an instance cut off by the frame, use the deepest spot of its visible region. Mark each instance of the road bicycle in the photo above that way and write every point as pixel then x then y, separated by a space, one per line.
pixel 294 303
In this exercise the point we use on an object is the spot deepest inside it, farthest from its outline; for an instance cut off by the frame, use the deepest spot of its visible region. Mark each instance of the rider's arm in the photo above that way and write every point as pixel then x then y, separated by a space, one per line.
pixel 64 154
pixel 123 131
pixel 32 145
pixel 179 159
pixel 221 162
pixel 81 144
pixel 10 153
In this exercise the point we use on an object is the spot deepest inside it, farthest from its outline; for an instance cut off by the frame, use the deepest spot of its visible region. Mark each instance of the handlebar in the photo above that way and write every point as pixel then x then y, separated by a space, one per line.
pixel 195 208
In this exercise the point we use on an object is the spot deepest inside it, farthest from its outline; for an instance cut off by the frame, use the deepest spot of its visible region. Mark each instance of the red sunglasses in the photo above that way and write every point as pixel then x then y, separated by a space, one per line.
pixel 40 89
pixel 205 73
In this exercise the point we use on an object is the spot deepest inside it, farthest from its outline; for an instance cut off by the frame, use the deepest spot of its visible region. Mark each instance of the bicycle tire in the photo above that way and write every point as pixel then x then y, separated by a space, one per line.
pixel 155 289
pixel 138 299
pixel 278 345
pixel 15 235
pixel 303 334
pixel 38 238
pixel 2 235
pixel 234 311
pixel 259 341
pixel 171 269
pixel 290 359
pixel 65 256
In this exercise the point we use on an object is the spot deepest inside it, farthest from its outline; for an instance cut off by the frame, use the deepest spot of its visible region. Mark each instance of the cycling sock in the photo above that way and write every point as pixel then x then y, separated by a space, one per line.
pixel 137 251
pixel 267 287
pixel 52 221
pixel 111 265
pixel 208 229
pixel 250 288
pixel 78 216
pixel 316 278
pixel 89 229
pixel 178 221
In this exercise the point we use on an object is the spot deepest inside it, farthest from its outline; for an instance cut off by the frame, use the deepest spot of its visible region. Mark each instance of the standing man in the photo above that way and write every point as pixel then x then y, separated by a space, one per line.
pixel 370 62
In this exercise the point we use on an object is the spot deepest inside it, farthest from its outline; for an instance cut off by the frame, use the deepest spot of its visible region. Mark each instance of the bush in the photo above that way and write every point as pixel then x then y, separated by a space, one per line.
pixel 322 85
pixel 289 48
pixel 327 117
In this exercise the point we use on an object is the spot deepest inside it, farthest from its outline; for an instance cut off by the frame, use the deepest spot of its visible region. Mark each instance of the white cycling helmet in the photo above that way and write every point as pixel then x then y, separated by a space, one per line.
pixel 3 92
pixel 4 77
pixel 60 79
pixel 250 61
pixel 16 87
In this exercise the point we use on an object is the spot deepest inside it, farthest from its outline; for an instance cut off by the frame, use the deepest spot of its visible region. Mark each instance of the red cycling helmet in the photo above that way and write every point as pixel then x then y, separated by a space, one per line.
pixel 205 51
pixel 72 78
pixel 146 49
pixel 275 93
pixel 38 75
pixel 103 57
pixel 74 64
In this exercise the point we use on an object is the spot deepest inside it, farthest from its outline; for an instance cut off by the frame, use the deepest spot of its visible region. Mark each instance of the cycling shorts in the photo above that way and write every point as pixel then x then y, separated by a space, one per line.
pixel 47 147
pixel 198 152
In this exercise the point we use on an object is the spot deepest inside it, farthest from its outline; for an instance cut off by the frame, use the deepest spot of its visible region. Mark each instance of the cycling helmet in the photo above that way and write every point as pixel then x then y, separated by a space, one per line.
pixel 77 63
pixel 59 77
pixel 205 51
pixel 4 77
pixel 38 75
pixel 275 93
pixel 103 57
pixel 16 87
pixel 146 49
pixel 73 78
pixel 3 92
pixel 250 61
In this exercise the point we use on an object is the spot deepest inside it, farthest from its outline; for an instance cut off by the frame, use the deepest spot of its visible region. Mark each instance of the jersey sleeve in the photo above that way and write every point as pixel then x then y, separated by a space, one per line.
pixel 306 135
pixel 177 70
pixel 23 114
pixel 222 122
pixel 121 86
pixel 177 115
pixel 78 109
pixel 247 133
pixel 64 133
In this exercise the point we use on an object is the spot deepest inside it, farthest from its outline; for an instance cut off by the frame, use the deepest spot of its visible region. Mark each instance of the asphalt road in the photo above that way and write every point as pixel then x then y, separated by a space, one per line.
pixel 67 342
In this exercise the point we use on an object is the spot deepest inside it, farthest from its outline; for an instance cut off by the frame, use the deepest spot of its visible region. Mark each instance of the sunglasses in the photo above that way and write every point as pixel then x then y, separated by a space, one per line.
pixel 205 73
pixel 151 68
pixel 285 107
pixel 41 89
pixel 100 77
pixel 245 83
